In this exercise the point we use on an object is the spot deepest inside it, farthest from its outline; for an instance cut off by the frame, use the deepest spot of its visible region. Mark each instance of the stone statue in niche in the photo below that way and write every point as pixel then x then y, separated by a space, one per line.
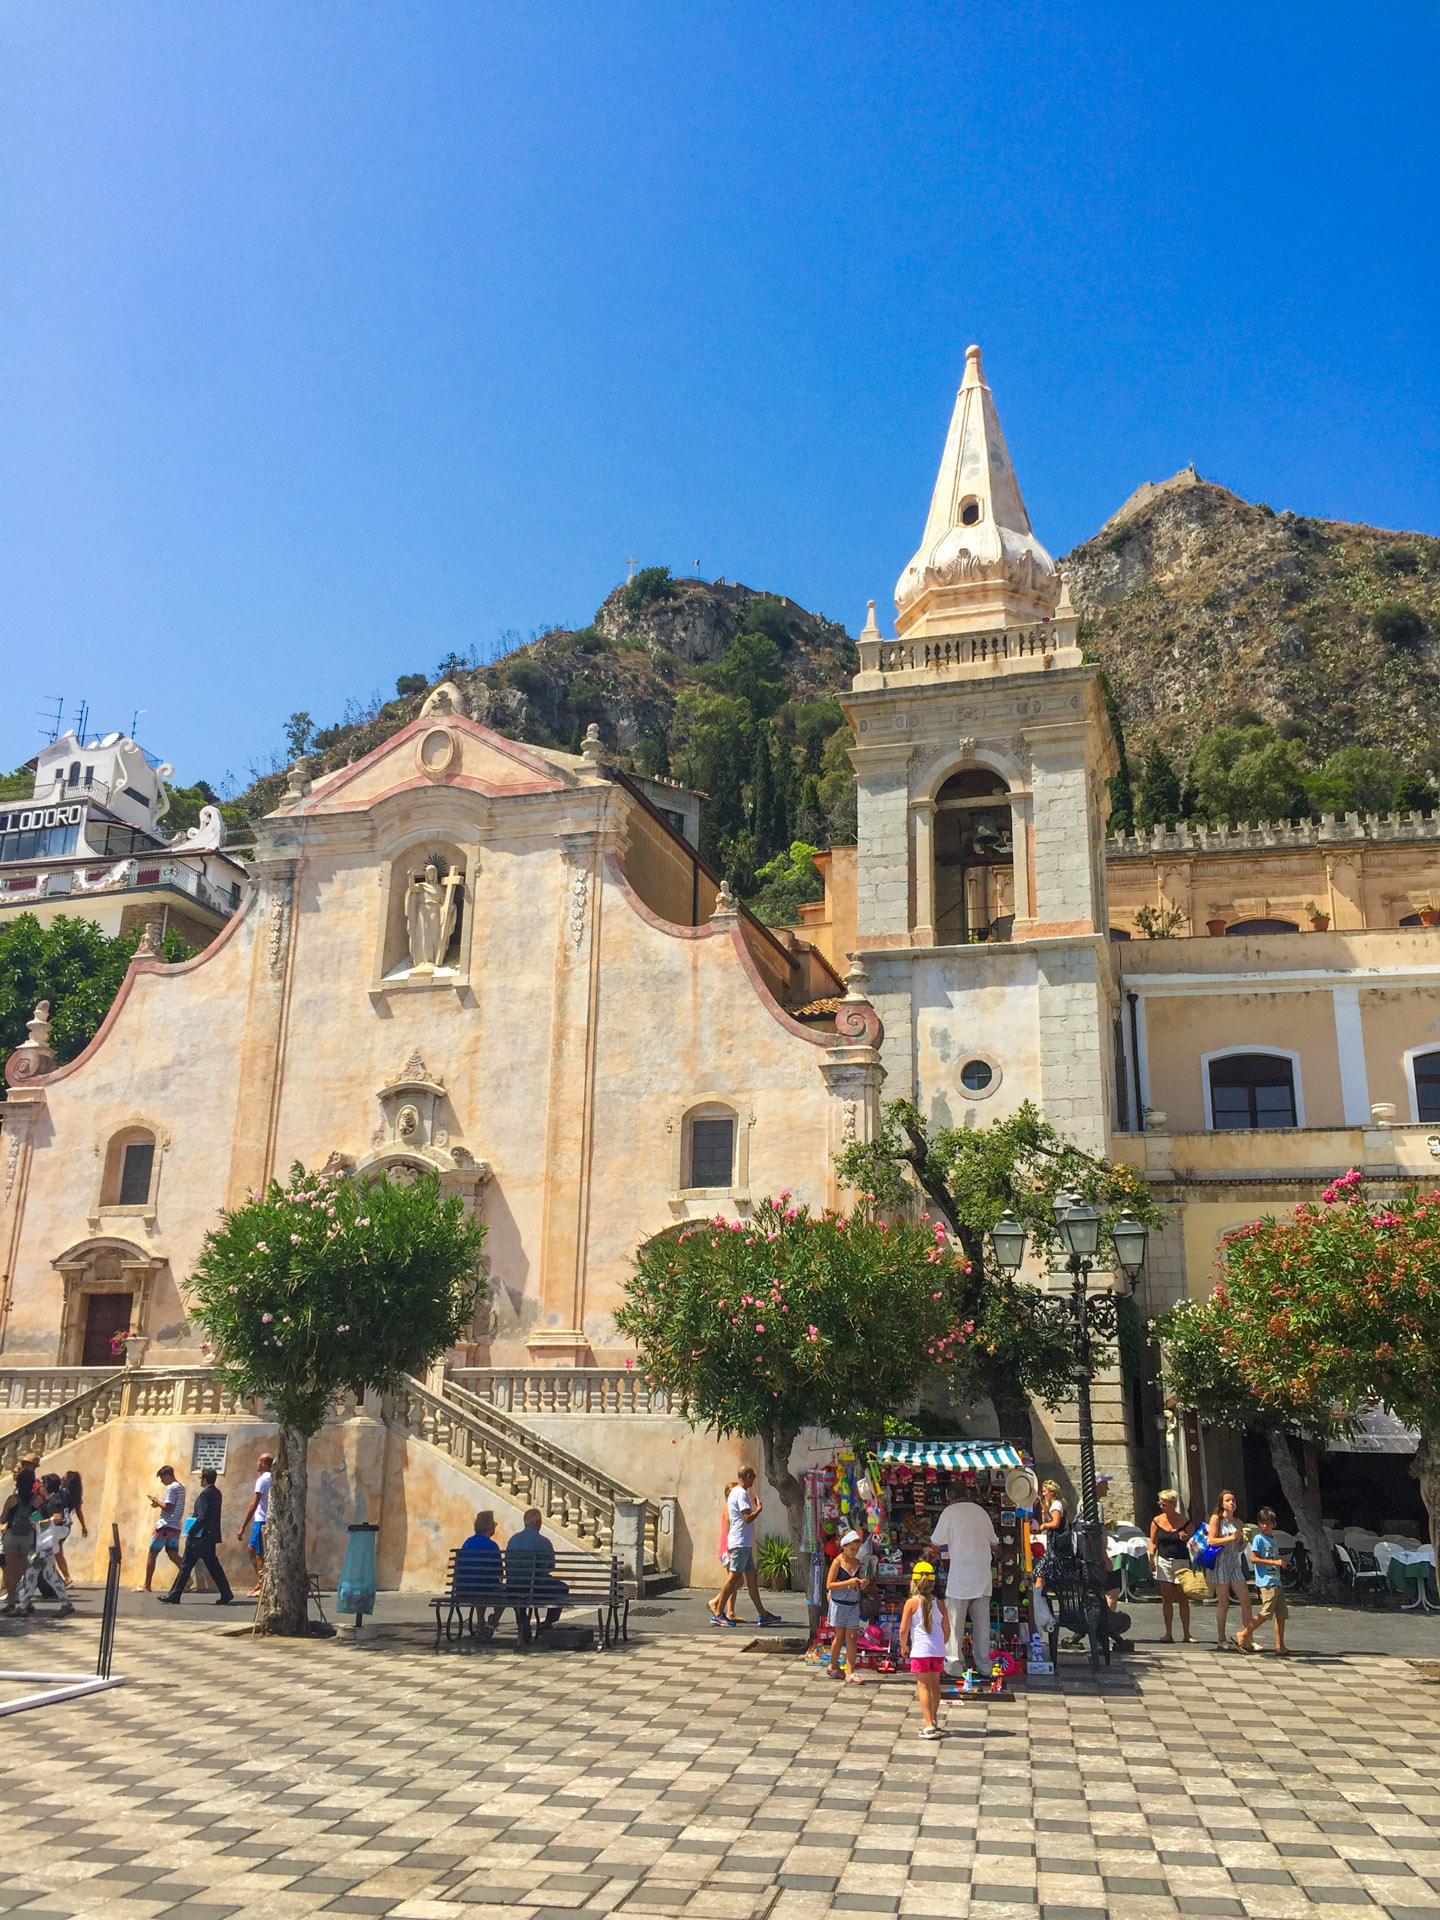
pixel 431 907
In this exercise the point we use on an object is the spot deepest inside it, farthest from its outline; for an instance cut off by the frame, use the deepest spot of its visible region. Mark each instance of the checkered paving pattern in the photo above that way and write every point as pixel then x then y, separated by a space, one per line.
pixel 241 1778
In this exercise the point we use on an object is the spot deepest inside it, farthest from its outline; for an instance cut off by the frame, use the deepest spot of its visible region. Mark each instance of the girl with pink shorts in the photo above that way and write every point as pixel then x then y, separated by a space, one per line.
pixel 923 1626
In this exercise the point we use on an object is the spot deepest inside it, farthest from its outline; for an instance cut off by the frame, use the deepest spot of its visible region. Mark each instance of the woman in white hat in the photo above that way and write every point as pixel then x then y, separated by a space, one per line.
pixel 842 1585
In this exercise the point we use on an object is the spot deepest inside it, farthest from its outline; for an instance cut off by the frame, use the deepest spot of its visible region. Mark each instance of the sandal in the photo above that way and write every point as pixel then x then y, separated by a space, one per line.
pixel 853 1680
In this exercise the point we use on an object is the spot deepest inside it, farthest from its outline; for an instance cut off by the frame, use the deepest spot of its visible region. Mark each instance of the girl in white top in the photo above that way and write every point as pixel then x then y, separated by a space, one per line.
pixel 923 1626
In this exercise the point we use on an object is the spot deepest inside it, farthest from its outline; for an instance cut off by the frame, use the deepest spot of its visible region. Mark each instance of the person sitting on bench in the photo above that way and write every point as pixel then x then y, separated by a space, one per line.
pixel 480 1566
pixel 529 1557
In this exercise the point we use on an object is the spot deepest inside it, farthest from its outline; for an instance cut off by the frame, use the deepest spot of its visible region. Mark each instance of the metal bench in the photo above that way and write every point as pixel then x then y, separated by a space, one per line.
pixel 533 1586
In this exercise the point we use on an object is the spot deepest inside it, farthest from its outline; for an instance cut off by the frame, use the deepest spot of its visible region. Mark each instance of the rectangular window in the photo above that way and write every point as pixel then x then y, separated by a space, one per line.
pixel 1251 1090
pixel 1427 1087
pixel 135 1173
pixel 712 1152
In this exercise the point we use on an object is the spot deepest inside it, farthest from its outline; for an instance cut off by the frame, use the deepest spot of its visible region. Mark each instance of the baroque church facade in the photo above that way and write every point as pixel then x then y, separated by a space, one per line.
pixel 507 966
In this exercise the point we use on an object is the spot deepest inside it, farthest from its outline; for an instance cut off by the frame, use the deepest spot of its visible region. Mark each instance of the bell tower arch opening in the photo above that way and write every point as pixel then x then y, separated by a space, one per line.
pixel 974 855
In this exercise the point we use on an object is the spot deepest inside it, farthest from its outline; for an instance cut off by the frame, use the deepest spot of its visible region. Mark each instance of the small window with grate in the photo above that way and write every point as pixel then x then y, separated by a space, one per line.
pixel 712 1152
pixel 1251 1090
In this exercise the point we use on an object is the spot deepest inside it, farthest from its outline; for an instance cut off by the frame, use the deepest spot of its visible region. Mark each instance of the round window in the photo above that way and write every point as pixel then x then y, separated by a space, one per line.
pixel 969 512
pixel 976 1075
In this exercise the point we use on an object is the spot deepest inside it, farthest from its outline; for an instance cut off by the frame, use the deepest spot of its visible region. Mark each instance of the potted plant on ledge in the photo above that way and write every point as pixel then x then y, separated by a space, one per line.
pixel 1319 922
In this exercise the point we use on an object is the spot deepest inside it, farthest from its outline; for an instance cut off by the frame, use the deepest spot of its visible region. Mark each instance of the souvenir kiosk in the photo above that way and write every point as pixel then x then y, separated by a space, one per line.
pixel 893 1491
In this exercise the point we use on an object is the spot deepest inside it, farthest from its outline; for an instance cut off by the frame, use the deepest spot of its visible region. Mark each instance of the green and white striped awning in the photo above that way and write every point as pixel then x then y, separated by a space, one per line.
pixel 972 1456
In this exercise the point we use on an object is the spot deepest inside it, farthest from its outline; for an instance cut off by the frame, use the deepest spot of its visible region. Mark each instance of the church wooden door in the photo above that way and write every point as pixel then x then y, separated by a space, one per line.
pixel 106 1314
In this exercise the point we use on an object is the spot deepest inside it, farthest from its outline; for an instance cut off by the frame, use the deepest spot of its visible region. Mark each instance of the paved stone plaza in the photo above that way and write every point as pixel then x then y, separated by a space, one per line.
pixel 686 1775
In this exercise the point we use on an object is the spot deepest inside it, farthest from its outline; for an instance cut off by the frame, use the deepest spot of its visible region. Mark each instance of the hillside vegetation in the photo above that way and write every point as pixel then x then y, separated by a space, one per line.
pixel 1260 665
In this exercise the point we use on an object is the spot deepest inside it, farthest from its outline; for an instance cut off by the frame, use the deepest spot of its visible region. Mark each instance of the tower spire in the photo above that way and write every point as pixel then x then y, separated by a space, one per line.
pixel 979 564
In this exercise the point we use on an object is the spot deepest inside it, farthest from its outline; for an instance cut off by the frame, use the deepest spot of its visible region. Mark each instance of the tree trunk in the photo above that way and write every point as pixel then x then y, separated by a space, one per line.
pixel 285 1602
pixel 1426 1469
pixel 1304 1498
pixel 777 1443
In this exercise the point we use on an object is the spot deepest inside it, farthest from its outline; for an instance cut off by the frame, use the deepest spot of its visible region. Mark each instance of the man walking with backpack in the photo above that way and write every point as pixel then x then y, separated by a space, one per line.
pixel 200 1544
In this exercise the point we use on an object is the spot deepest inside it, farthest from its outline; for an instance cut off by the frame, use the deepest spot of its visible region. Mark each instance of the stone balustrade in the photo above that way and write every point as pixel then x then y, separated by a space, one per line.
pixel 1189 836
pixel 565 1389
pixel 997 646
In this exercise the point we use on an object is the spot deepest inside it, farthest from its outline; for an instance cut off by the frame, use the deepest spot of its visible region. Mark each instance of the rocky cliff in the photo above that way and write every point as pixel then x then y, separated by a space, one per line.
pixel 1201 606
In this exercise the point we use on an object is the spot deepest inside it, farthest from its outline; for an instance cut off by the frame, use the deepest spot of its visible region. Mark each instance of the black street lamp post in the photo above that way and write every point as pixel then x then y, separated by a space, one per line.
pixel 1078 1225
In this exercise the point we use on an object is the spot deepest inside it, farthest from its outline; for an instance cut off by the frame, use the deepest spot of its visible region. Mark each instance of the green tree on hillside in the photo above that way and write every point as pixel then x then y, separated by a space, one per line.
pixel 1159 800
pixel 751 671
pixel 714 752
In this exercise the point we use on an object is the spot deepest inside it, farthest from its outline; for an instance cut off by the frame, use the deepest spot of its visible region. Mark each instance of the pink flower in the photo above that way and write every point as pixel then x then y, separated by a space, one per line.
pixel 266 1318
pixel 760 1327
pixel 629 1363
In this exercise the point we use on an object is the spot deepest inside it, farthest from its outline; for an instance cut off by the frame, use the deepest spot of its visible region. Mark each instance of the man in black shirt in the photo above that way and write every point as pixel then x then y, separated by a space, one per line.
pixel 200 1544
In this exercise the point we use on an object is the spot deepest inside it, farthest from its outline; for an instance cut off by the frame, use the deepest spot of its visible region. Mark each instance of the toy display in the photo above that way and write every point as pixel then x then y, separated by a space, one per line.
pixel 895 1492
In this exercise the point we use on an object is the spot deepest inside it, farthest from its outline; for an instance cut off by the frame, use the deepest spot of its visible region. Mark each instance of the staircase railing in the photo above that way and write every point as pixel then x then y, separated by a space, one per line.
pixel 42 1387
pixel 574 1497
pixel 130 1394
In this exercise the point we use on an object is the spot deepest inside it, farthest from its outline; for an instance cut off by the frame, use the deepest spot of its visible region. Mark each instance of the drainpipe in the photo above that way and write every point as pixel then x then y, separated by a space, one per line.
pixel 1133 997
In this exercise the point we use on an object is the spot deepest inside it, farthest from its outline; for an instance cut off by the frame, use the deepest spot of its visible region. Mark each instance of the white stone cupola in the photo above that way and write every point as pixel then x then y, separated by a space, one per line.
pixel 979 564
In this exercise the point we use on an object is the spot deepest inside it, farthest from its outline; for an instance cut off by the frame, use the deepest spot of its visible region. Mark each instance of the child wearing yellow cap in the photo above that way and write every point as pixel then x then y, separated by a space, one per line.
pixel 923 1626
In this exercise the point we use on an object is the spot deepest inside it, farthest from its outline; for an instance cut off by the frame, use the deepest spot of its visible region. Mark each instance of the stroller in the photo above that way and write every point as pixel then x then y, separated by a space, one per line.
pixel 41 1576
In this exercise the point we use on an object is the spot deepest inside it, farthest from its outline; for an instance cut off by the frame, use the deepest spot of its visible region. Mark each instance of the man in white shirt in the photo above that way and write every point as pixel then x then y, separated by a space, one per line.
pixel 968 1534
pixel 742 1510
pixel 257 1515
pixel 170 1511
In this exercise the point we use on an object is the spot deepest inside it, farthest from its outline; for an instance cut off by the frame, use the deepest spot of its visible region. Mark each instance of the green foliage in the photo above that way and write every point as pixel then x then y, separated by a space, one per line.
pixel 409 684
pixel 1356 780
pixel 1398 625
pixel 1159 800
pixel 19 785
pixel 786 883
pixel 969 1176
pixel 1246 773
pixel 1120 786
pixel 769 814
pixel 714 737
pixel 332 1284
pixel 185 805
pixel 1396 559
pixel 792 1319
pixel 764 614
pixel 772 1562
pixel 74 966
pixel 837 787
pixel 649 584
pixel 299 732
pixel 527 675
pixel 750 671
pixel 1160 923
pixel 652 754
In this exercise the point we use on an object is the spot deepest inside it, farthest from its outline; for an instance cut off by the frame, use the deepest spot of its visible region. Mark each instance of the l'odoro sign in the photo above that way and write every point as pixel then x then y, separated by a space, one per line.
pixel 28 817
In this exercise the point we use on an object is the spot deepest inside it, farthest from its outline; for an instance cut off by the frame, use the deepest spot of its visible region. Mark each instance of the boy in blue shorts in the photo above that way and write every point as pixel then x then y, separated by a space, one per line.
pixel 1265 1559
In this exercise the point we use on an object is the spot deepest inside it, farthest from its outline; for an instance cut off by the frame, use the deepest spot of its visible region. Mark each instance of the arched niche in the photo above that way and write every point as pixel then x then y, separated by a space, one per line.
pixel 973 854
pixel 426 915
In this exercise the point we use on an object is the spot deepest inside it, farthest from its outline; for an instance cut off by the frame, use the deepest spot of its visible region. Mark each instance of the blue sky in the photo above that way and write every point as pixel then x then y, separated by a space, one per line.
pixel 333 337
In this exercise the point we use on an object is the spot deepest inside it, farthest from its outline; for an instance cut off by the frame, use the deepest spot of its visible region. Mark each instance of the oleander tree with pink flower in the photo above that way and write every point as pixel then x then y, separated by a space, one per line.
pixel 326 1286
pixel 791 1318
pixel 1337 1307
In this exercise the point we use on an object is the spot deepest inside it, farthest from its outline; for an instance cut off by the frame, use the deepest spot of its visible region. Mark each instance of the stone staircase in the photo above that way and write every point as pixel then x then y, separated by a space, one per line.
pixel 580 1502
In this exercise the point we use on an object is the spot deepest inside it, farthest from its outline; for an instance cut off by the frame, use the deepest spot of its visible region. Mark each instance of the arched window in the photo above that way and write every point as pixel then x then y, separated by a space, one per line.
pixel 1251 1090
pixel 710 1149
pixel 1425 1073
pixel 129 1170
pixel 1411 920
pixel 974 859
pixel 1263 926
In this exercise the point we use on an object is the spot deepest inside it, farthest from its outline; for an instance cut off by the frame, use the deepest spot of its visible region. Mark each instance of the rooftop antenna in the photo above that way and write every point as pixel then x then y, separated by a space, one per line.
pixel 631 574
pixel 135 719
pixel 84 721
pixel 53 719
